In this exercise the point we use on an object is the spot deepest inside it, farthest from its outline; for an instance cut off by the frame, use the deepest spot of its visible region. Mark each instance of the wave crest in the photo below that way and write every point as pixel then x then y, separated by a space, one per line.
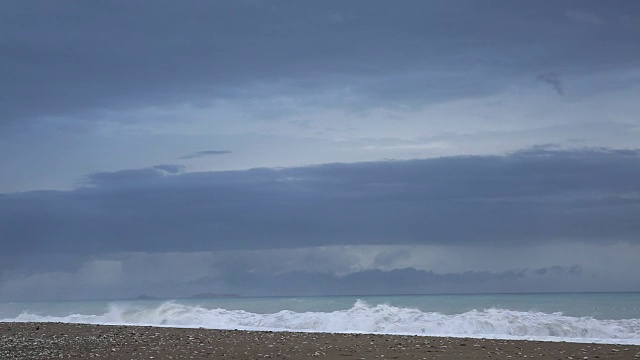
pixel 365 318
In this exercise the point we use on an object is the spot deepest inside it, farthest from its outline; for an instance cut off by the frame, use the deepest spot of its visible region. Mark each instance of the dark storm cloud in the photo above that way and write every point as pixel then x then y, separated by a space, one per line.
pixel 67 57
pixel 205 153
pixel 528 197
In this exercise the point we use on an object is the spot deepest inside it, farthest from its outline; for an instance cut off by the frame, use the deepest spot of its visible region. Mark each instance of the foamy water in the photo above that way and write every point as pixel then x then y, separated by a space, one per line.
pixel 361 317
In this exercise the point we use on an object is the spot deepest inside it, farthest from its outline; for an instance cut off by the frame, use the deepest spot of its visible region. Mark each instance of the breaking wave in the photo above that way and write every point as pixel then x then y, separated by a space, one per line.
pixel 365 318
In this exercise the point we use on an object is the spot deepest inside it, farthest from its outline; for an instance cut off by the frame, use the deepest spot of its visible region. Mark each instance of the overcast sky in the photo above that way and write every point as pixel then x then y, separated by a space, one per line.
pixel 318 147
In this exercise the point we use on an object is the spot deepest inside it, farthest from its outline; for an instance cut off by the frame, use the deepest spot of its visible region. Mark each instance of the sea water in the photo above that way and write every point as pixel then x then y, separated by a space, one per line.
pixel 597 317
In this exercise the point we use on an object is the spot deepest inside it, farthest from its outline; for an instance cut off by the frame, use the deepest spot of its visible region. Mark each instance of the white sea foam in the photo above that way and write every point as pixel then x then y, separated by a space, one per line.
pixel 365 318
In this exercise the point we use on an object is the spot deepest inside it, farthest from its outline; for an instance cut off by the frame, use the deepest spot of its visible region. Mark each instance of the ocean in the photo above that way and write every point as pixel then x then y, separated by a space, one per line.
pixel 584 317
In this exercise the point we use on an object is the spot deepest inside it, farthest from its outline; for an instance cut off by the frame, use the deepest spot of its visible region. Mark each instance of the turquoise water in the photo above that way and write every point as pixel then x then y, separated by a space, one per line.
pixel 599 317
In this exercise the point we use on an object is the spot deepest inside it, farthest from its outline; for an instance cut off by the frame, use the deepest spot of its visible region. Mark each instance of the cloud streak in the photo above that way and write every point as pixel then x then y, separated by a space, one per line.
pixel 554 81
pixel 204 153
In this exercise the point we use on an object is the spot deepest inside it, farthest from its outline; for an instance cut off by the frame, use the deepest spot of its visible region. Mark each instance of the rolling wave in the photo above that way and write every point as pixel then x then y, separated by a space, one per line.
pixel 365 318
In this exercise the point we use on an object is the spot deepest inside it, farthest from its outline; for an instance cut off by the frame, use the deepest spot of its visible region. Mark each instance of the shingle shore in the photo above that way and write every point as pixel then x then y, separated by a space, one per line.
pixel 81 341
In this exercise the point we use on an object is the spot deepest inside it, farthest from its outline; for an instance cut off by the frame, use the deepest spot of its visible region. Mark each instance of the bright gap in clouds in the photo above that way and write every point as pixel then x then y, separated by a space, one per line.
pixel 291 131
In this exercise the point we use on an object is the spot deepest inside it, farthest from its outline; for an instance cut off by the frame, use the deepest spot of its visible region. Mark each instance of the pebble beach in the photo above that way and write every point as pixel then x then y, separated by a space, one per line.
pixel 82 341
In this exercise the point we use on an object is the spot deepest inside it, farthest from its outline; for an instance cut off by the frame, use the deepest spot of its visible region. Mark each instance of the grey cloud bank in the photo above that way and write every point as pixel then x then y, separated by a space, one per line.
pixel 70 58
pixel 528 197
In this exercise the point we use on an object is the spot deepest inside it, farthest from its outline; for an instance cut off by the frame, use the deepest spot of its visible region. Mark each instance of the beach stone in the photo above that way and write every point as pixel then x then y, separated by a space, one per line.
pixel 77 341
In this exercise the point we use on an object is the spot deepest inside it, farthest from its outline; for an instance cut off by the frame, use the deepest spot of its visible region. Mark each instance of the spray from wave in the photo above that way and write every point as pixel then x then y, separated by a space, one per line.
pixel 365 318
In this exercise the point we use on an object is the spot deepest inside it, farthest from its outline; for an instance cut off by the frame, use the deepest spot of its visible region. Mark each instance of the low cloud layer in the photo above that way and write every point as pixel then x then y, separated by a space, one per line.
pixel 349 269
pixel 175 275
pixel 325 270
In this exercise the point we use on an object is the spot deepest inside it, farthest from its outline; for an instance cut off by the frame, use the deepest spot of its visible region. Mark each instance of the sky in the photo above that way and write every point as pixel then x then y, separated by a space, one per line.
pixel 318 147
